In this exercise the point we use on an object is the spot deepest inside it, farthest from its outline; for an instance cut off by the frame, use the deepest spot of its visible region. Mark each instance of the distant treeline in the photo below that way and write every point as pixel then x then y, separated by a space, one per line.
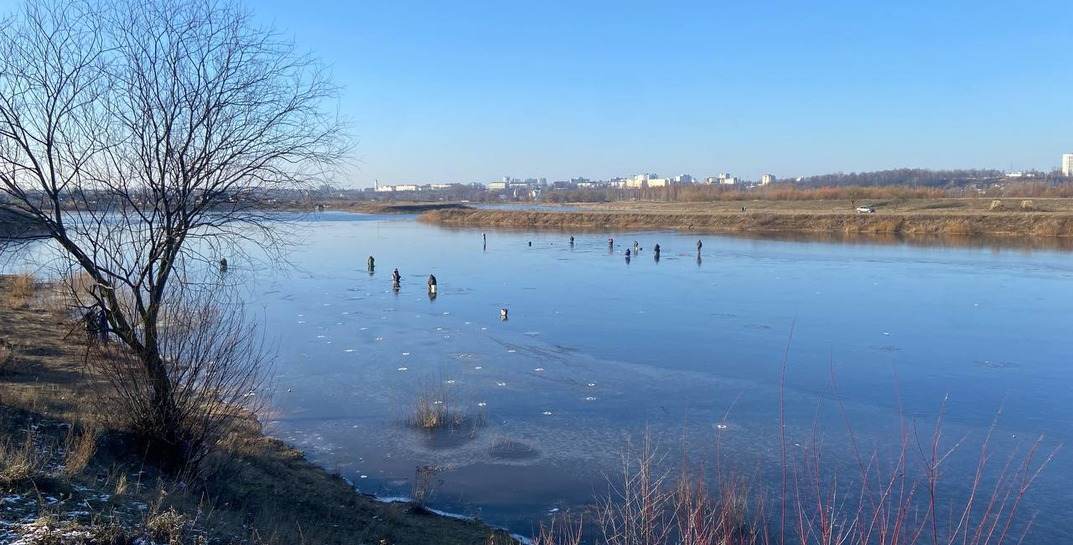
pixel 709 193
pixel 903 183
pixel 797 192
pixel 905 177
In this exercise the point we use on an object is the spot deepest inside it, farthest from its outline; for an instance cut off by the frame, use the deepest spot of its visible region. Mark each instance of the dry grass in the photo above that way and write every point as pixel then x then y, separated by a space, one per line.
pixel 7 357
pixel 20 289
pixel 823 222
pixel 20 460
pixel 167 526
pixel 434 409
pixel 79 448
pixel 432 413
pixel 424 484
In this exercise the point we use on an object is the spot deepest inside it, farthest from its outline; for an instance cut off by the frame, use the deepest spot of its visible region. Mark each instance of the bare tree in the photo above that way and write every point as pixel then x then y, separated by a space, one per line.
pixel 143 137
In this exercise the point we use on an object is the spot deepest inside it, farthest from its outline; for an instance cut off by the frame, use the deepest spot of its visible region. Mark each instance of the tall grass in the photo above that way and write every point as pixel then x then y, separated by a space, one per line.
pixel 19 290
pixel 79 448
pixel 905 492
pixel 432 411
pixel 20 460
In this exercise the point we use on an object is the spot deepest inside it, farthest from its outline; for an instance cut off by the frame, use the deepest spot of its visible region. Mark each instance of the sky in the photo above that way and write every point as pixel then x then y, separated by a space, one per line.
pixel 473 91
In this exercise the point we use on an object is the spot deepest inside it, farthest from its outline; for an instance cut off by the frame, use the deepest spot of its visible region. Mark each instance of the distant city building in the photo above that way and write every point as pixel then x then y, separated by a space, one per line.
pixel 721 179
pixel 683 179
pixel 1067 164
pixel 498 186
pixel 767 179
pixel 646 180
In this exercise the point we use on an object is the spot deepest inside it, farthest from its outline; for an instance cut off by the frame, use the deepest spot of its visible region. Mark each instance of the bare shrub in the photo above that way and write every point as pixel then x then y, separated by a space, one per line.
pixel 561 530
pixel 638 508
pixel 214 363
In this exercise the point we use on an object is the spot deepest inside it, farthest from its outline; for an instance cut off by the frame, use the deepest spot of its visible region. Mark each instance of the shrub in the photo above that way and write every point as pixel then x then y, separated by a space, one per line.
pixel 212 364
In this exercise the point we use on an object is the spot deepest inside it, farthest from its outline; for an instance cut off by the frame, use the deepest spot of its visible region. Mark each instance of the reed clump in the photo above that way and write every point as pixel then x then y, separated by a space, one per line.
pixel 431 413
pixel 19 290
pixel 435 409
pixel 79 447
pixel 21 460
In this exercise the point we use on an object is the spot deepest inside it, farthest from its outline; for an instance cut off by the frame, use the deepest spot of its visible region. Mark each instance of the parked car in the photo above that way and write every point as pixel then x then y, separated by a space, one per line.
pixel 866 210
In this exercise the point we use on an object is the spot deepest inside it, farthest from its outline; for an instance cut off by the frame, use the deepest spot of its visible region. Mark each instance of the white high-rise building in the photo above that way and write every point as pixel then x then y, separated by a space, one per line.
pixel 1067 164
pixel 767 179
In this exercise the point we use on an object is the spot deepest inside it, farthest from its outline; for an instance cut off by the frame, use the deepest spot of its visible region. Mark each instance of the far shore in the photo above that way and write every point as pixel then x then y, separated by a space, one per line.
pixel 945 217
pixel 373 207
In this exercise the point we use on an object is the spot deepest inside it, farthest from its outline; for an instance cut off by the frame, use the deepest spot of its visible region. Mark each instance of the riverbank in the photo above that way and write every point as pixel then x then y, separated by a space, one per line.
pixel 66 475
pixel 14 224
pixel 926 218
pixel 367 207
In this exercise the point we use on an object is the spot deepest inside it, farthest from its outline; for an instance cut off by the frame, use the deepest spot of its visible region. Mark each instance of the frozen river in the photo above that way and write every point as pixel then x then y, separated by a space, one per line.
pixel 597 350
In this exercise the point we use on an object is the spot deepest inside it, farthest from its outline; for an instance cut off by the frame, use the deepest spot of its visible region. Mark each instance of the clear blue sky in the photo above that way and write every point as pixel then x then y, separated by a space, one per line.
pixel 466 91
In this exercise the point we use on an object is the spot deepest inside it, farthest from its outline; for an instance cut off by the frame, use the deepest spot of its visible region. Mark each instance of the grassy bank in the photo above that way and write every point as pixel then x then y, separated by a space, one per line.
pixel 940 217
pixel 69 475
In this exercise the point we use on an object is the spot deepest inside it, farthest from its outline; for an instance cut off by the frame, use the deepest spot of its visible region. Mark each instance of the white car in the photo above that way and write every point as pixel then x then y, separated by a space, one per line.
pixel 866 210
